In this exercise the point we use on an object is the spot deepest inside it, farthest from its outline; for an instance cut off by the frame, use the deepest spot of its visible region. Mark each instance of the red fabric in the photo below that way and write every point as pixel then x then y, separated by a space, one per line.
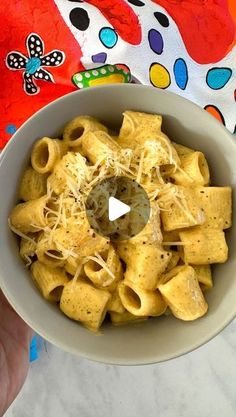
pixel 46 21
pixel 206 26
pixel 121 17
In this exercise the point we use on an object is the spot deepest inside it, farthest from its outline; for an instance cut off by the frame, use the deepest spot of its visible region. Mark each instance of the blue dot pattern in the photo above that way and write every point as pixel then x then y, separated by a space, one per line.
pixel 108 37
pixel 217 78
pixel 181 73
pixel 11 129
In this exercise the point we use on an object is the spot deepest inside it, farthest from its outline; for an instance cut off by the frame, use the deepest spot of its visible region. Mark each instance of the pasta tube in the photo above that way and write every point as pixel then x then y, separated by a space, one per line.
pixel 137 121
pixel 182 210
pixel 48 253
pixel 33 185
pixel 46 153
pixel 98 146
pixel 150 262
pixel 194 170
pixel 30 216
pixel 77 128
pixel 104 270
pixel 141 302
pixel 70 174
pixel 82 302
pixel 204 246
pixel 204 276
pixel 81 240
pixel 183 295
pixel 50 281
pixel 27 249
pixel 217 205
pixel 182 150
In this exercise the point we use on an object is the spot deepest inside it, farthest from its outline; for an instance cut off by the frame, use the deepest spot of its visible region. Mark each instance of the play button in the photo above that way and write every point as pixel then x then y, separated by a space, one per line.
pixel 118 208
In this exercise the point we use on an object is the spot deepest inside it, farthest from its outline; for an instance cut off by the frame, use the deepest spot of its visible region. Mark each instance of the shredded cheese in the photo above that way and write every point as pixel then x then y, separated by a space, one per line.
pixel 77 272
pixel 100 261
pixel 19 233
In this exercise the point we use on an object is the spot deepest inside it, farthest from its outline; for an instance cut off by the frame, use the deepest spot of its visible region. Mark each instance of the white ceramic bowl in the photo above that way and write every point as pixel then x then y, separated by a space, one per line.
pixel 157 339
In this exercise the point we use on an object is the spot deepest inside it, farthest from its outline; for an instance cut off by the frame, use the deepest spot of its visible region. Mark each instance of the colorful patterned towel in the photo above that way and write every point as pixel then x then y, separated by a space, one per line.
pixel 185 46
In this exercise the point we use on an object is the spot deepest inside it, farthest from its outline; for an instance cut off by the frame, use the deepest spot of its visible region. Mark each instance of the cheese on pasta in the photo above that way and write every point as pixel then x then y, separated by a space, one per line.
pixel 146 275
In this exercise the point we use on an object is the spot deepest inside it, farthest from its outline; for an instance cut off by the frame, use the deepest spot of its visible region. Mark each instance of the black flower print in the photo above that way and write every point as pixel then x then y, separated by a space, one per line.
pixel 34 63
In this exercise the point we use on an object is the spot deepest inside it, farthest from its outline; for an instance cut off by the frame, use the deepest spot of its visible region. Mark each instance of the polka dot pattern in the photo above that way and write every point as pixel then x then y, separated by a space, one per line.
pixel 159 76
pixel 215 112
pixel 102 75
pixel 29 86
pixel 42 74
pixel 35 46
pixel 79 18
pixel 100 58
pixel 138 3
pixel 162 19
pixel 108 37
pixel 15 61
pixel 181 73
pixel 155 41
pixel 53 59
pixel 11 129
pixel 217 78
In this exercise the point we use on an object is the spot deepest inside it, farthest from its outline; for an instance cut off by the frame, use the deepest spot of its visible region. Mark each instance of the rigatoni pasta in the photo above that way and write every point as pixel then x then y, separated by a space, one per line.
pixel 216 202
pixel 50 281
pixel 75 130
pixel 165 269
pixel 30 216
pixel 81 301
pixel 203 246
pixel 183 294
pixel 141 302
pixel 46 153
pixel 194 170
pixel 33 185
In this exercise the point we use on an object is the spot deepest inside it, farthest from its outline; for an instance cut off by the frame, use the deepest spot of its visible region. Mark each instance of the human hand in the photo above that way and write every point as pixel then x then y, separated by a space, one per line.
pixel 15 338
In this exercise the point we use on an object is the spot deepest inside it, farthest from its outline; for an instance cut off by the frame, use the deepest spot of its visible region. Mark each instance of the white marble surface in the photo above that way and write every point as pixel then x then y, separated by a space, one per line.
pixel 200 384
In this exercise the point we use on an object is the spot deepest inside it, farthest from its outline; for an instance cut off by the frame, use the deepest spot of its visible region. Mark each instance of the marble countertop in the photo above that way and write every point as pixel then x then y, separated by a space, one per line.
pixel 200 384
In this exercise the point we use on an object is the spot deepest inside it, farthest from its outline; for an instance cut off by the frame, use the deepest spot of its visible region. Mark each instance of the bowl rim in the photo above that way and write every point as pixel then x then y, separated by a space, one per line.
pixel 20 309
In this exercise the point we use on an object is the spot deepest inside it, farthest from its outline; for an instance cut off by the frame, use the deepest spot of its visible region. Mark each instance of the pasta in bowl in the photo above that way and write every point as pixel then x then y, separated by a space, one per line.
pixel 144 340
pixel 165 268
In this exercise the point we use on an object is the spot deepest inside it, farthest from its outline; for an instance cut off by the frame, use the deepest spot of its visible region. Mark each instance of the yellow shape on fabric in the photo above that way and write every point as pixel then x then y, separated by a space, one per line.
pixel 111 79
pixel 159 76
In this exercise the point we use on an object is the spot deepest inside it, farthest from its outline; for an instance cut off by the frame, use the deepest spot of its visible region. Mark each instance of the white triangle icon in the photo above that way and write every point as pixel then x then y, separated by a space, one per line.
pixel 116 208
